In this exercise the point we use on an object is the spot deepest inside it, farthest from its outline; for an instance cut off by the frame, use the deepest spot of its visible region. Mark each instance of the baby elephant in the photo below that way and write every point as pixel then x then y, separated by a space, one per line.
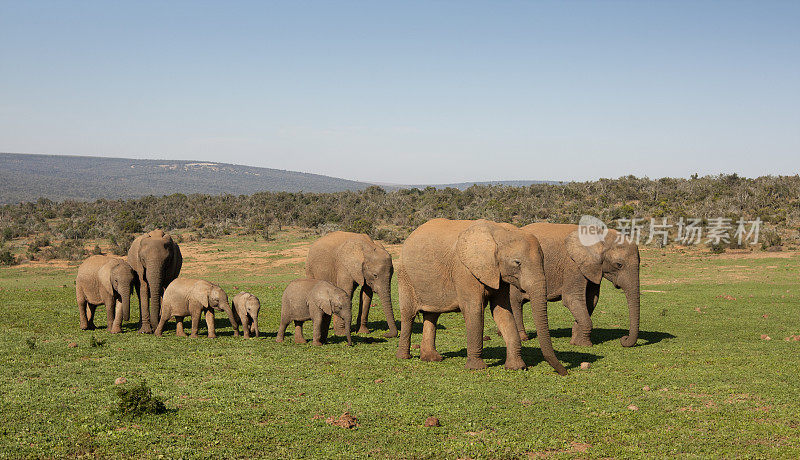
pixel 192 297
pixel 316 300
pixel 246 307
pixel 104 280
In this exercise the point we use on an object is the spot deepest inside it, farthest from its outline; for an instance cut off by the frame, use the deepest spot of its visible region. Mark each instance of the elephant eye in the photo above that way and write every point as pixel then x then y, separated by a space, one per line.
pixel 517 262
pixel 618 264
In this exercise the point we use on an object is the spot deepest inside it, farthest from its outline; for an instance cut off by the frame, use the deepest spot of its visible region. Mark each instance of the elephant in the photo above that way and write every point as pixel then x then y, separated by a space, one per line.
pixel 317 300
pixel 246 307
pixel 459 265
pixel 574 272
pixel 104 280
pixel 349 260
pixel 157 261
pixel 192 297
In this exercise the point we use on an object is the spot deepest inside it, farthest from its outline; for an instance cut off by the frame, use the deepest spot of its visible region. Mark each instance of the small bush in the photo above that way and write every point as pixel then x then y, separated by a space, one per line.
pixel 717 248
pixel 121 243
pixel 770 239
pixel 94 343
pixel 6 258
pixel 139 400
pixel 31 342
pixel 96 251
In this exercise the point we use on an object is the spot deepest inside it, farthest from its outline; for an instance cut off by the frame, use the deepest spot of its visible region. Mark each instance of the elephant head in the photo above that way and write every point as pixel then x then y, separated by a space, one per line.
pixel 368 263
pixel 160 260
pixel 247 307
pixel 213 297
pixel 499 252
pixel 335 302
pixel 123 279
pixel 616 259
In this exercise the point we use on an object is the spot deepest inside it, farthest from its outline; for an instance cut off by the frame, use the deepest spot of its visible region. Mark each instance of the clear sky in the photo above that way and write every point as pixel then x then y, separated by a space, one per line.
pixel 410 92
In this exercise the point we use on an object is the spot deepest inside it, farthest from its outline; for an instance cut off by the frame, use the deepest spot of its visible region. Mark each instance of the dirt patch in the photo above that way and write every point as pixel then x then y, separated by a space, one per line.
pixel 345 421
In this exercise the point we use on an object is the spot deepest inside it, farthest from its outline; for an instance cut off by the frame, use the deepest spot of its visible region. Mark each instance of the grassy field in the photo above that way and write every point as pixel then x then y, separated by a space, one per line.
pixel 703 380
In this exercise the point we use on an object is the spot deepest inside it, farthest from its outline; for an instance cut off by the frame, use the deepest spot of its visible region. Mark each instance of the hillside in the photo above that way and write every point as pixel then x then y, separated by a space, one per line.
pixel 25 177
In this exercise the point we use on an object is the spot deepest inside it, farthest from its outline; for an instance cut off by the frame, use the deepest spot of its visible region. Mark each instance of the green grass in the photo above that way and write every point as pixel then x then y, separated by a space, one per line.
pixel 716 388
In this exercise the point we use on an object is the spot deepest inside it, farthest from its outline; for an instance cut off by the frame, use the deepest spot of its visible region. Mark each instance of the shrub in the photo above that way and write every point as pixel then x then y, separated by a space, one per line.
pixel 121 243
pixel 6 258
pixel 96 250
pixel 94 343
pixel 31 342
pixel 770 239
pixel 139 400
pixel 717 248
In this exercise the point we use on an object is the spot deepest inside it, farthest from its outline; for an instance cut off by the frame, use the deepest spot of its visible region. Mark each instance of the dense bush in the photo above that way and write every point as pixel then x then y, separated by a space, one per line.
pixel 138 400
pixel 392 215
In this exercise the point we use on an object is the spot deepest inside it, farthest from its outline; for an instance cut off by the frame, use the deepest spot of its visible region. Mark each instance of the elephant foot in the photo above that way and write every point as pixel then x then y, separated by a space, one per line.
pixel 523 336
pixel 581 342
pixel 627 342
pixel 212 336
pixel 298 339
pixel 193 335
pixel 403 354
pixel 279 339
pixel 316 343
pixel 84 327
pixel 475 364
pixel 430 355
pixel 115 330
pixel 146 330
pixel 157 333
pixel 363 330
pixel 180 334
pixel 389 334
pixel 516 364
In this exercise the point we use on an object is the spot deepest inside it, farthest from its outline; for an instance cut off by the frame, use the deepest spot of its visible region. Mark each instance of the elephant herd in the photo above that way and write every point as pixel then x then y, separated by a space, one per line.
pixel 445 266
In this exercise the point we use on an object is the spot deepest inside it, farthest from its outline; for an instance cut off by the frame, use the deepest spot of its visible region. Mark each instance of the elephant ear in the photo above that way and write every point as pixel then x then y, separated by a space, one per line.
pixel 477 250
pixel 106 276
pixel 588 258
pixel 326 305
pixel 200 296
pixel 351 257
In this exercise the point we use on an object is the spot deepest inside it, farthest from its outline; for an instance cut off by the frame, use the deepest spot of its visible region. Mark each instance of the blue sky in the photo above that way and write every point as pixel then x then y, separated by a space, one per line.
pixel 410 92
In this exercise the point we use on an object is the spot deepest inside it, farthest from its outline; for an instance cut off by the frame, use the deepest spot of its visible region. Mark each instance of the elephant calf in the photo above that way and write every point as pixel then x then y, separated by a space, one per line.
pixel 246 307
pixel 318 301
pixel 192 297
pixel 108 281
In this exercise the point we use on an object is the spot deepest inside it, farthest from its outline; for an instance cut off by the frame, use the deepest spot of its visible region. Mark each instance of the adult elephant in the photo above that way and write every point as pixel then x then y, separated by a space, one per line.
pixel 348 260
pixel 574 272
pixel 157 261
pixel 451 265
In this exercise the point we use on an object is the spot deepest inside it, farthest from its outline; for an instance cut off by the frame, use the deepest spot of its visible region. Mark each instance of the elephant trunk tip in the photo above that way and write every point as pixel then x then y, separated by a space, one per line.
pixel 628 340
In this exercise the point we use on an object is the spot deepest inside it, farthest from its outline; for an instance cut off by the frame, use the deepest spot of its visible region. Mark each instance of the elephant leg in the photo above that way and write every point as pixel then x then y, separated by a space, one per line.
pixel 325 322
pixel 364 302
pixel 298 332
pixel 505 321
pixel 178 326
pixel 282 329
pixel 592 296
pixel 473 318
pixel 144 307
pixel 108 301
pixel 90 308
pixel 316 321
pixel 195 323
pixel 427 351
pixel 406 321
pixel 212 330
pixel 582 327
pixel 82 306
pixel 517 300
pixel 116 326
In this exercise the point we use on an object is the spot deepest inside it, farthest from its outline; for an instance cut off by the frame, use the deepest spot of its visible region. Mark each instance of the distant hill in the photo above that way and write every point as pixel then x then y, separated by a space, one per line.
pixel 26 177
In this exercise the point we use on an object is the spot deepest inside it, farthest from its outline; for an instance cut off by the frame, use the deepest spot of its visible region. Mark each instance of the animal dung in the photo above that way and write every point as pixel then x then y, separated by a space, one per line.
pixel 72 345
pixel 432 422
pixel 120 381
pixel 586 365
pixel 633 407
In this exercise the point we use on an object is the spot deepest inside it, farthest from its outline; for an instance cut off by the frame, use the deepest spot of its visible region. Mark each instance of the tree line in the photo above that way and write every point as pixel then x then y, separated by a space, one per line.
pixel 392 215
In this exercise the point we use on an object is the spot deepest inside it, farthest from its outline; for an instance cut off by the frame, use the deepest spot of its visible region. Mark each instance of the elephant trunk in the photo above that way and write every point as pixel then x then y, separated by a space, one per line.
pixel 125 294
pixel 225 306
pixel 346 315
pixel 385 294
pixel 155 281
pixel 254 327
pixel 632 296
pixel 538 297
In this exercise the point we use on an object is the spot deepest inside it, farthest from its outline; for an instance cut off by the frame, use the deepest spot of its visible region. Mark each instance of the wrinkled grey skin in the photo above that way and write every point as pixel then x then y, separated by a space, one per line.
pixel 574 273
pixel 108 281
pixel 193 297
pixel 316 300
pixel 349 260
pixel 246 307
pixel 157 261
